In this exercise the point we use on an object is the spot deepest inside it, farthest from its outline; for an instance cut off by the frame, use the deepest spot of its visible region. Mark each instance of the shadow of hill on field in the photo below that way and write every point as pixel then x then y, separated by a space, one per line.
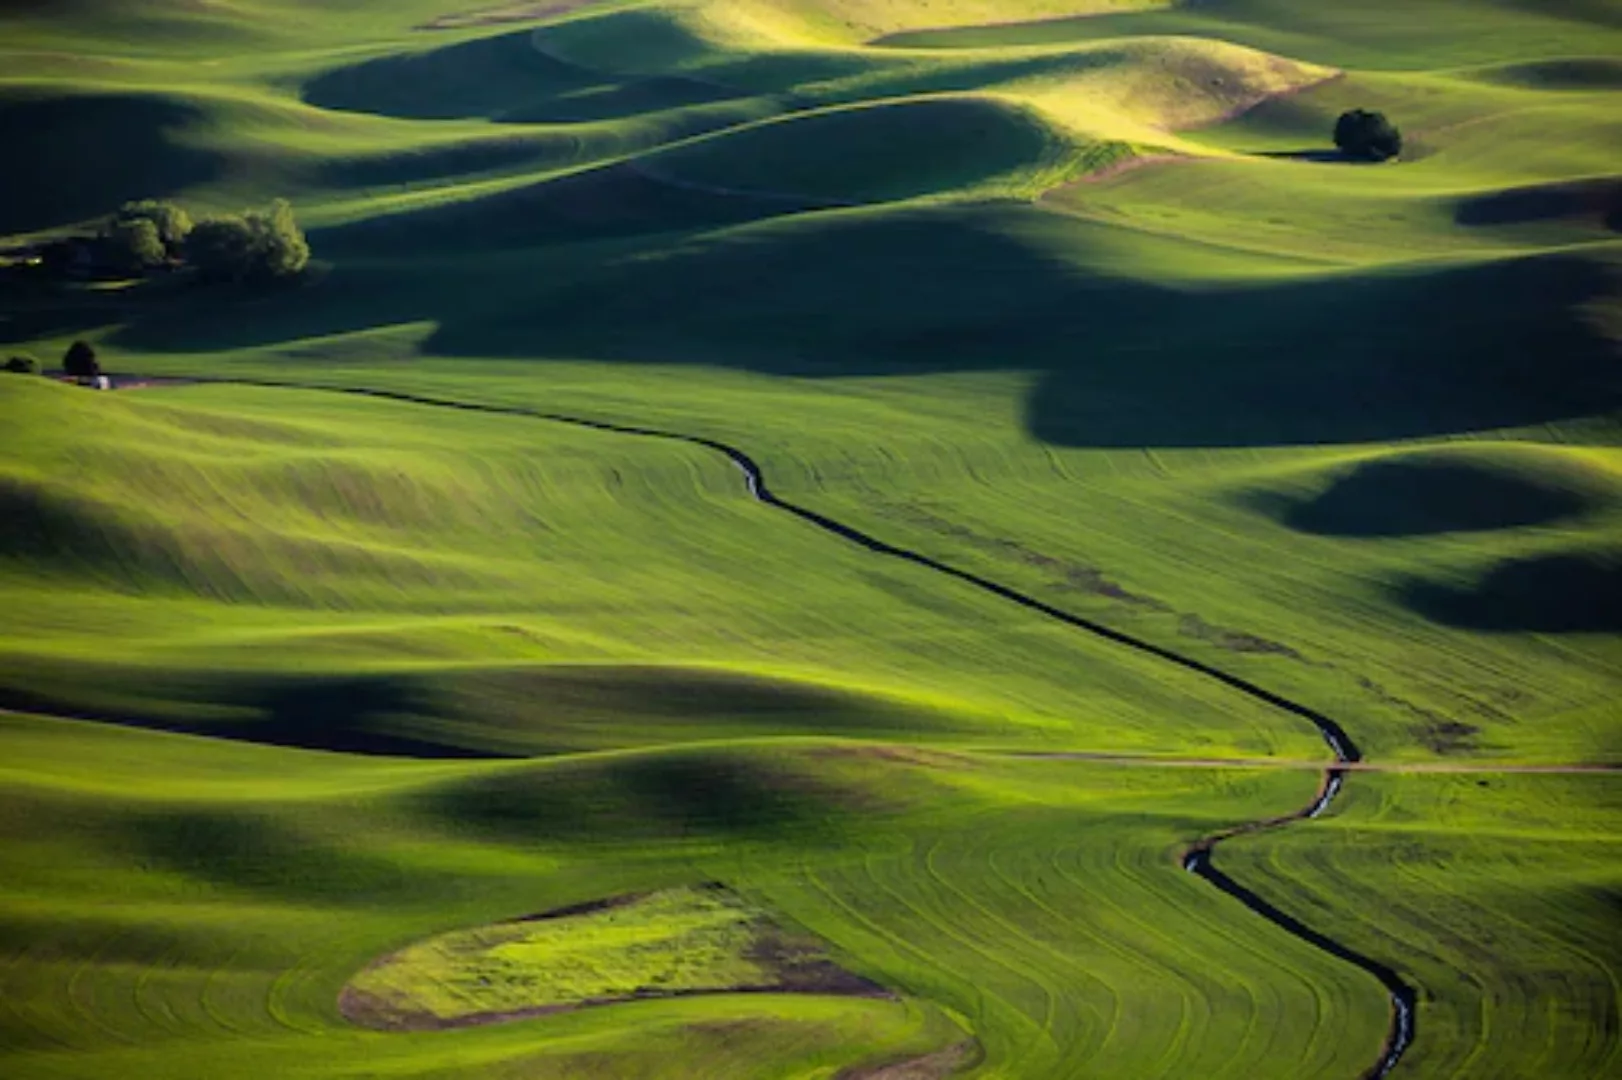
pixel 77 157
pixel 607 203
pixel 503 78
pixel 1121 362
pixel 1578 73
pixel 1338 360
pixel 1423 493
pixel 461 160
pixel 1558 593
pixel 267 856
pixel 362 714
pixel 652 795
pixel 484 712
pixel 1598 200
pixel 1243 361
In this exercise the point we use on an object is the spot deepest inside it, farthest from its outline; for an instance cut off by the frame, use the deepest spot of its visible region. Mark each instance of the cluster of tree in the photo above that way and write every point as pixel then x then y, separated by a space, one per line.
pixel 145 235
pixel 148 236
pixel 79 362
pixel 256 245
pixel 1367 136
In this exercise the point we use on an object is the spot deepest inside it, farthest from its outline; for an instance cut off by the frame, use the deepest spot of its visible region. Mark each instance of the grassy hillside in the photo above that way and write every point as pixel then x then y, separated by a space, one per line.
pixel 1069 297
pixel 204 901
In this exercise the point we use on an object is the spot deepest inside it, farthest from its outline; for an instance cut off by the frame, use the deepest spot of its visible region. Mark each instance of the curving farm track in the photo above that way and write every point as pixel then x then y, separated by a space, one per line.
pixel 1197 858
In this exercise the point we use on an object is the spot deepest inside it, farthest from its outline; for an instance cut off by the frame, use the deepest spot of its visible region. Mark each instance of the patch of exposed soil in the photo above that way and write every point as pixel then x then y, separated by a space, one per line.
pixel 941 1063
pixel 504 13
pixel 1072 576
pixel 1233 640
pixel 1447 736
pixel 799 967
pixel 1440 734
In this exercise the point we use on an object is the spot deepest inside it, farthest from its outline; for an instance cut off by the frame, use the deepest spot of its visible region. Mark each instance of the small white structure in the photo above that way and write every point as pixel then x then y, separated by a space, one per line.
pixel 102 382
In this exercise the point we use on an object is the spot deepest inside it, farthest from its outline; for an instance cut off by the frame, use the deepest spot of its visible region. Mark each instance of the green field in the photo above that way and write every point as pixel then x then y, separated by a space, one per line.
pixel 1120 435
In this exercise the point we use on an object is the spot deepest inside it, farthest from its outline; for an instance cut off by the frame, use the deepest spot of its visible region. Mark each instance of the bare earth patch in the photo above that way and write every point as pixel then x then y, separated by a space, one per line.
pixel 671 943
pixel 934 1066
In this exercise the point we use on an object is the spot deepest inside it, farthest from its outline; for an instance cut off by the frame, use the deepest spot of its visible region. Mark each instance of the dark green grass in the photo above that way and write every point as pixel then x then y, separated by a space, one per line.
pixel 1122 362
pixel 1464 489
pixel 504 77
pixel 64 137
pixel 878 153
pixel 1558 592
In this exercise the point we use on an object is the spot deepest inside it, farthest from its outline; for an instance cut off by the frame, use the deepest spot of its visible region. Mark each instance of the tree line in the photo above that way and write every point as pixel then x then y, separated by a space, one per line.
pixel 149 236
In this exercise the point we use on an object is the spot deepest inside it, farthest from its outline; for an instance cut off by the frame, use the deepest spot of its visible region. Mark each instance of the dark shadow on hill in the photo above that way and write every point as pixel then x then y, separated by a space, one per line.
pixel 611 203
pixel 1421 494
pixel 1582 74
pixel 462 160
pixel 503 78
pixel 352 715
pixel 386 715
pixel 260 854
pixel 1117 362
pixel 585 706
pixel 1317 155
pixel 28 313
pixel 1597 200
pixel 1564 593
pixel 520 711
pixel 651 796
pixel 1121 363
pixel 77 157
pixel 1343 360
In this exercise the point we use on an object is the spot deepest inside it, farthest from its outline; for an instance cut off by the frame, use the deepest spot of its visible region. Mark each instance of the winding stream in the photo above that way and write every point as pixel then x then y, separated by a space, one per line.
pixel 1198 858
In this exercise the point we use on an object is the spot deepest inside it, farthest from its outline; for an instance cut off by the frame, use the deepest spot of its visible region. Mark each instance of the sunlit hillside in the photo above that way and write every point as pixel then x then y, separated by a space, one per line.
pixel 824 539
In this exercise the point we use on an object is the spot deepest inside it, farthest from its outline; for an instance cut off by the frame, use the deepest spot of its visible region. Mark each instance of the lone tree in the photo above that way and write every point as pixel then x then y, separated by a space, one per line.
pixel 23 365
pixel 80 361
pixel 1367 136
pixel 259 245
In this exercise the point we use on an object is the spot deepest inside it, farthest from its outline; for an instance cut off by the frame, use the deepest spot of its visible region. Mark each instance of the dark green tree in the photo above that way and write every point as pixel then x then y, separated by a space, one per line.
pixel 80 361
pixel 258 245
pixel 283 249
pixel 221 249
pixel 23 365
pixel 1367 136
pixel 172 222
pixel 133 244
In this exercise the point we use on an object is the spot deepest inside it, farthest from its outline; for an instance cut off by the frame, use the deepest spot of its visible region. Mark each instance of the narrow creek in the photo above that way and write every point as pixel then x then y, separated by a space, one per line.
pixel 1198 859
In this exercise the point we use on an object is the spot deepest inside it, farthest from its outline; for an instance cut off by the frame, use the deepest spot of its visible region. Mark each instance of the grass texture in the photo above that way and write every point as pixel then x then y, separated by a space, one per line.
pixel 677 941
pixel 1068 294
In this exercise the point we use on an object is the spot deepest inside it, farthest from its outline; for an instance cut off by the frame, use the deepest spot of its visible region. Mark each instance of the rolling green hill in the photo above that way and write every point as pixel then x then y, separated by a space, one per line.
pixel 1098 409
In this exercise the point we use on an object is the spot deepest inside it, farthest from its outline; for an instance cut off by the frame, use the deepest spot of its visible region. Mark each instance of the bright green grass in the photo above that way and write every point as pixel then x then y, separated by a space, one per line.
pixel 1505 889
pixel 175 924
pixel 668 942
pixel 1266 571
pixel 472 581
pixel 1154 398
pixel 231 917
